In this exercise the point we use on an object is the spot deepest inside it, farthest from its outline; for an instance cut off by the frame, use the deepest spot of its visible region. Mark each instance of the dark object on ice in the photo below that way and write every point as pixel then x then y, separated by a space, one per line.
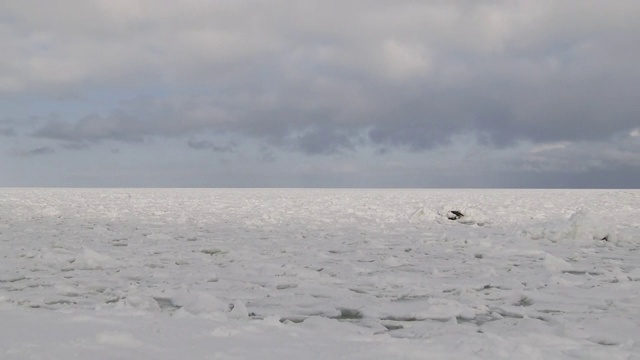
pixel 454 215
pixel 605 238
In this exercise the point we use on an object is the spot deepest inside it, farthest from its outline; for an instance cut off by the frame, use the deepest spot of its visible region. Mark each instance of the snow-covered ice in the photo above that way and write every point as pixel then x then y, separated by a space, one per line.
pixel 319 274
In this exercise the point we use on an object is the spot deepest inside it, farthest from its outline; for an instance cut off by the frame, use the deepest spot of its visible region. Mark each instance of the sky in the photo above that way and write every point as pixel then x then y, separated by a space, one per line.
pixel 320 93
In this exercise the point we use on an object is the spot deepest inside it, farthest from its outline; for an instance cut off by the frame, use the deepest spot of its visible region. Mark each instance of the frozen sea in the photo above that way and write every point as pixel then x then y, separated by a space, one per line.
pixel 319 274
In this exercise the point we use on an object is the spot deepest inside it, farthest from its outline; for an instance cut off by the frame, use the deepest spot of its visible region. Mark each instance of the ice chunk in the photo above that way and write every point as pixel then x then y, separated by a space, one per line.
pixel 239 310
pixel 556 264
pixel 92 260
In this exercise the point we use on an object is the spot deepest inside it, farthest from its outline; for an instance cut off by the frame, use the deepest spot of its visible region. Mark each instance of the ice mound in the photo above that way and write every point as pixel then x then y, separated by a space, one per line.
pixel 556 264
pixel 461 214
pixel 423 214
pixel 580 226
pixel 174 302
pixel 464 215
pixel 92 260
pixel 138 302
pixel 438 309
pixel 197 303
pixel 118 339
pixel 239 310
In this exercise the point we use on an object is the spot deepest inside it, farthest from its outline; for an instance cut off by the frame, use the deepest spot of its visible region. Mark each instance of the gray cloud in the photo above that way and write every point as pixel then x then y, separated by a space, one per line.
pixel 75 145
pixel 582 157
pixel 323 141
pixel 420 116
pixel 209 145
pixel 7 132
pixel 620 178
pixel 45 150
pixel 94 128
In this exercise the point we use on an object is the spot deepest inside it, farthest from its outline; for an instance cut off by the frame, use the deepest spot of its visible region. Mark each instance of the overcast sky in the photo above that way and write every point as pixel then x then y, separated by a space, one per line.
pixel 324 93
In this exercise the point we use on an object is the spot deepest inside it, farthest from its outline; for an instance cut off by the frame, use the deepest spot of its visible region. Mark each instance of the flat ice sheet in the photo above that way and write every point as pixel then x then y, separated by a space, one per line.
pixel 319 274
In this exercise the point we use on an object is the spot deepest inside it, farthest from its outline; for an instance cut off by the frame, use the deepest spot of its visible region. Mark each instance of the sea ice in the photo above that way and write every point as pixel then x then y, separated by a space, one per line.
pixel 319 274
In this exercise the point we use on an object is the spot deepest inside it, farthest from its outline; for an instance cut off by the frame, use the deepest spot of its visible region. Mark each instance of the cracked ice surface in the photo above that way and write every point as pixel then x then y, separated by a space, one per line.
pixel 292 273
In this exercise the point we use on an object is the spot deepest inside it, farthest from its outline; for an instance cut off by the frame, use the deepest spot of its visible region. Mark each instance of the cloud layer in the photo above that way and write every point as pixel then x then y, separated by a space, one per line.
pixel 327 78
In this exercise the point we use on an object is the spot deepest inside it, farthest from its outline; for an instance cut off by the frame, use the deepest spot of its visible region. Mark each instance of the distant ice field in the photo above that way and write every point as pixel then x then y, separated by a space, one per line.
pixel 319 274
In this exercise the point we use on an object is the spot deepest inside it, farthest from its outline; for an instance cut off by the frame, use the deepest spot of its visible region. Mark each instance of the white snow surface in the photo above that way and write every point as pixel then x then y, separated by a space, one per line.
pixel 319 274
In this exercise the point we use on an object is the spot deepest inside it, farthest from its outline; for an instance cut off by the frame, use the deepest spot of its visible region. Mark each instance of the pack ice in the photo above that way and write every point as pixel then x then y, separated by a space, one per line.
pixel 319 274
